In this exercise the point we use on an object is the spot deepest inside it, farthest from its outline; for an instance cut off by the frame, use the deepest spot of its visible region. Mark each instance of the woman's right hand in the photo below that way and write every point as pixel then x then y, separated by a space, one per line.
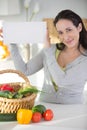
pixel 13 46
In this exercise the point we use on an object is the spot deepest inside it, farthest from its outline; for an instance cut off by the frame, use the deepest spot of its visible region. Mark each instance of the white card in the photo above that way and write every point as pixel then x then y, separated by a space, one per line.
pixel 24 32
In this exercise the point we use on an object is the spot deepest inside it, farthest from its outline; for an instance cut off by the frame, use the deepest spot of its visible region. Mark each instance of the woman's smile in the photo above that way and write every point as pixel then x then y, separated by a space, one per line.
pixel 69 42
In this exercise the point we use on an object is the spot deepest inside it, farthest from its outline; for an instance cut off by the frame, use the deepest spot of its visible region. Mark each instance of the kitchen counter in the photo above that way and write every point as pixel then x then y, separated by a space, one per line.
pixel 66 117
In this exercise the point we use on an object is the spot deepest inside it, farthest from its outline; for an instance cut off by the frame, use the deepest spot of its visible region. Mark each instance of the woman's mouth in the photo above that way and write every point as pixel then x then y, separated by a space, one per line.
pixel 69 41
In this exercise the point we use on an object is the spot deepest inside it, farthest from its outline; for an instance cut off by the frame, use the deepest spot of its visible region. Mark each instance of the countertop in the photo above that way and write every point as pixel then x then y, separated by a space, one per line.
pixel 66 117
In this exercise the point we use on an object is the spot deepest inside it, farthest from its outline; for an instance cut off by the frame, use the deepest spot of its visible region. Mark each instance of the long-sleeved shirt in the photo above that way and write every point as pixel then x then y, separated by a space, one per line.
pixel 70 81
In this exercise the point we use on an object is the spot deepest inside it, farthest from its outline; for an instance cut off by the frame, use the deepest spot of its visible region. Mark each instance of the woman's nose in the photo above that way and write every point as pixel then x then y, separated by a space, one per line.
pixel 65 36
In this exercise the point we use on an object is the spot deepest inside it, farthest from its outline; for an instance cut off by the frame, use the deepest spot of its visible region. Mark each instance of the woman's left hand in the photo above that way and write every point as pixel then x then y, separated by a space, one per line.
pixel 47 40
pixel 1 32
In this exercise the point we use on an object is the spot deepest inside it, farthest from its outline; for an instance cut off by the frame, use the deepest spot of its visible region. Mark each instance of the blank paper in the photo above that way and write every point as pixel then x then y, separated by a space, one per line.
pixel 24 32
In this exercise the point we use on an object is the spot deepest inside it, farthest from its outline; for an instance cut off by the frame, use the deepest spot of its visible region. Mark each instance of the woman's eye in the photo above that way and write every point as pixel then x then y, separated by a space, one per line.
pixel 69 30
pixel 60 33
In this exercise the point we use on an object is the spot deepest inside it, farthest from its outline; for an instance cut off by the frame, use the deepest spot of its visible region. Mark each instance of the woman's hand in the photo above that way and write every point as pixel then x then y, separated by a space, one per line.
pixel 47 40
pixel 1 31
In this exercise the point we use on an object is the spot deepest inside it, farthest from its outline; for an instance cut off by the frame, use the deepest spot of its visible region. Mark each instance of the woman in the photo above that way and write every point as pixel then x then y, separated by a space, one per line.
pixel 65 71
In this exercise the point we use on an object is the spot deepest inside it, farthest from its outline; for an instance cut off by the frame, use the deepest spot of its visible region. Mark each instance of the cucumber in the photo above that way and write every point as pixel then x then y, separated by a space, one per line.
pixel 28 90
pixel 39 108
pixel 17 95
pixel 6 94
pixel 8 117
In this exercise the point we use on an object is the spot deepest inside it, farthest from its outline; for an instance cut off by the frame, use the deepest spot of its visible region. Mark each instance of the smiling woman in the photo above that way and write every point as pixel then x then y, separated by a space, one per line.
pixel 67 71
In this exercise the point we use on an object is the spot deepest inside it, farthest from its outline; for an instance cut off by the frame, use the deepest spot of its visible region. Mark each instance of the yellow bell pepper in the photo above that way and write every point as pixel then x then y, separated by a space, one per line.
pixel 24 116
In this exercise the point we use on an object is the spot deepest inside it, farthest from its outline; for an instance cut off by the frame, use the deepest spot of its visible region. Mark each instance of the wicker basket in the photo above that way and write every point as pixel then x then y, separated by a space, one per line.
pixel 9 106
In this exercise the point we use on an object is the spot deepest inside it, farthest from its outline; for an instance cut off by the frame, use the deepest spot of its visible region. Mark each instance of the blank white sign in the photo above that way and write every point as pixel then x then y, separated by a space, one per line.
pixel 24 32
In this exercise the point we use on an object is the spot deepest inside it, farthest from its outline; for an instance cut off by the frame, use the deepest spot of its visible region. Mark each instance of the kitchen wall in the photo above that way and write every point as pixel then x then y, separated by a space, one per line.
pixel 48 8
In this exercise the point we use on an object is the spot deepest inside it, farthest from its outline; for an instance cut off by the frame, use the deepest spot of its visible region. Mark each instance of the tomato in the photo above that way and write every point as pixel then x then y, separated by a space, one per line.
pixel 48 115
pixel 24 116
pixel 7 87
pixel 36 117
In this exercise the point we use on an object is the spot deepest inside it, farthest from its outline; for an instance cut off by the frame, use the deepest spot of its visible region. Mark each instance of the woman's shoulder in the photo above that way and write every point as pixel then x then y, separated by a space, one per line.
pixel 51 49
pixel 52 46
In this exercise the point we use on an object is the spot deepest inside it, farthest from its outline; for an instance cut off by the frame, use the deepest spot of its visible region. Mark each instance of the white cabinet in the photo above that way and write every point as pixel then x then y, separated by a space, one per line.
pixel 7 7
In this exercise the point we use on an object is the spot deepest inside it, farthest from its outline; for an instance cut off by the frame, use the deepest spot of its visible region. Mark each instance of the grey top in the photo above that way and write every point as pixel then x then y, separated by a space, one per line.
pixel 70 82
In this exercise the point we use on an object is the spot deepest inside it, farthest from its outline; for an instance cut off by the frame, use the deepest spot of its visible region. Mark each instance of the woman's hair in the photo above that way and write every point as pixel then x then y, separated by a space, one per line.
pixel 75 19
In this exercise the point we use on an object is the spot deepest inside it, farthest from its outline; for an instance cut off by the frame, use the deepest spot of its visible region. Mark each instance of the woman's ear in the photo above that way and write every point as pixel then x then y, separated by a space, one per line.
pixel 80 27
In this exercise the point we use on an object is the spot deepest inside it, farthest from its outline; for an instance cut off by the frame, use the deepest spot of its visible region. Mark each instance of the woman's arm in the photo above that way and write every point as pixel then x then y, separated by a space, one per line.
pixel 47 43
pixel 33 65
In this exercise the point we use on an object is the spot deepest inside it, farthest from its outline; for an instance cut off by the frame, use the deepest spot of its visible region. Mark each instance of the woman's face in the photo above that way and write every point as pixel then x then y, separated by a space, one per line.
pixel 68 32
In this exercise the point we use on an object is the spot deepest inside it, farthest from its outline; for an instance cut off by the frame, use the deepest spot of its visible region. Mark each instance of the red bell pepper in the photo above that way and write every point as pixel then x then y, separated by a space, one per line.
pixel 6 87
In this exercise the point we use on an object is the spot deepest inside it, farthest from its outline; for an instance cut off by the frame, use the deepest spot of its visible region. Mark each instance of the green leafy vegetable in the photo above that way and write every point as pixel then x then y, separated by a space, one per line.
pixel 39 108
pixel 6 94
pixel 27 90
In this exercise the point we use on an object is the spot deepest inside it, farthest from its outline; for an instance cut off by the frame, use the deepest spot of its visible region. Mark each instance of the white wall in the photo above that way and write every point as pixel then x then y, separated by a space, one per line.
pixel 48 8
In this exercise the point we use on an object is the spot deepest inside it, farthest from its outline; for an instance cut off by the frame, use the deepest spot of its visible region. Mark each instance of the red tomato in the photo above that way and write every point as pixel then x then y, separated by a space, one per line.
pixel 7 87
pixel 36 117
pixel 48 115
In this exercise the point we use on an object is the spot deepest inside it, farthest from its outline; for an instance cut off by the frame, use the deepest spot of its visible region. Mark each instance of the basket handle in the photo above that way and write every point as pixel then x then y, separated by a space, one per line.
pixel 17 72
